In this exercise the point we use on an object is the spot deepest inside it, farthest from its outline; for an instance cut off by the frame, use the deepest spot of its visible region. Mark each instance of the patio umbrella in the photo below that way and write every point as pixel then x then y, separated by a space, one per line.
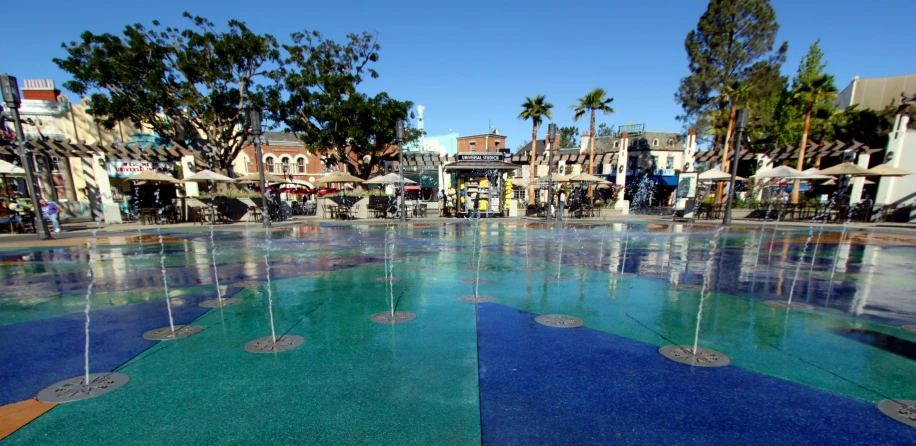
pixel 587 178
pixel 887 171
pixel 557 178
pixel 339 177
pixel 847 168
pixel 9 169
pixel 256 178
pixel 832 182
pixel 520 183
pixel 152 176
pixel 391 178
pixel 208 176
pixel 786 172
pixel 716 175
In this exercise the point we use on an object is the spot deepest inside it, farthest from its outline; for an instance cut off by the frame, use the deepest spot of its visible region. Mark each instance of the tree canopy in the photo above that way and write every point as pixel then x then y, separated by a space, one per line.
pixel 569 136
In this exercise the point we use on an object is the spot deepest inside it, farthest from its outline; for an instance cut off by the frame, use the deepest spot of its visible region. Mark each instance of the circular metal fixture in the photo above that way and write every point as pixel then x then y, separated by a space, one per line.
pixel 909 328
pixel 166 334
pixel 398 317
pixel 249 284
pixel 787 306
pixel 477 299
pixel 386 279
pixel 903 411
pixel 559 321
pixel 703 357
pixel 214 303
pixel 75 389
pixel 557 279
pixel 472 280
pixel 267 345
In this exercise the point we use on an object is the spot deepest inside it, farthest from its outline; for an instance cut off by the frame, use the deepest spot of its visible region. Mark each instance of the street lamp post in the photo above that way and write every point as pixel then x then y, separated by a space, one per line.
pixel 741 124
pixel 10 89
pixel 399 137
pixel 254 120
pixel 551 136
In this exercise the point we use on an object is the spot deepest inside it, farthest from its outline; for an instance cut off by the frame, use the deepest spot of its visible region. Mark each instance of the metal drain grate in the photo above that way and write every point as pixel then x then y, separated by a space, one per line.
pixel 386 279
pixel 165 333
pixel 477 299
pixel 704 357
pixel 559 321
pixel 215 303
pixel 472 280
pixel 903 411
pixel 557 279
pixel 75 389
pixel 399 317
pixel 786 305
pixel 266 344
pixel 909 328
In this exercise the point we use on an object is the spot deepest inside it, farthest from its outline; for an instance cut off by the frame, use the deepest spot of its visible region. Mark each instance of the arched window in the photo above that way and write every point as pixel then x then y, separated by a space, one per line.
pixel 616 144
pixel 245 163
pixel 269 164
pixel 300 165
pixel 655 142
pixel 284 164
pixel 671 142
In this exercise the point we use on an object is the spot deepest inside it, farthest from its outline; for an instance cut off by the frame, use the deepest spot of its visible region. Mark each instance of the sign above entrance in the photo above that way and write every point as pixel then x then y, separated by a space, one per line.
pixel 498 157
pixel 128 168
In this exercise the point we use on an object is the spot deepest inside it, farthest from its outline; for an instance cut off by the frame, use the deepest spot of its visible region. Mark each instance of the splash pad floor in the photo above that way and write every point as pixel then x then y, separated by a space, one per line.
pixel 466 373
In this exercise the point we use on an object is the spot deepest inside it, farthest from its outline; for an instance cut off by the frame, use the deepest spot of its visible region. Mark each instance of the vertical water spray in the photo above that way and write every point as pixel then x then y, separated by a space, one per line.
pixel 713 243
pixel 270 294
pixel 93 252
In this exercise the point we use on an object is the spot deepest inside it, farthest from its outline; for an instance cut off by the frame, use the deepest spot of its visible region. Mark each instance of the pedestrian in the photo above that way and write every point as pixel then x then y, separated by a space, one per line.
pixel 561 200
pixel 441 198
pixel 50 211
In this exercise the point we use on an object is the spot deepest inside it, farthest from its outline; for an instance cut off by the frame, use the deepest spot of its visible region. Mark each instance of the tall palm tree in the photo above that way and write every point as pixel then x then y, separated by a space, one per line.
pixel 595 100
pixel 735 93
pixel 536 110
pixel 812 93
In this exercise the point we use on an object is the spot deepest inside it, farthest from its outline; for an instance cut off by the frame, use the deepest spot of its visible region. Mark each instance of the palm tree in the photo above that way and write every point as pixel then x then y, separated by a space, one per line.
pixel 595 100
pixel 536 110
pixel 735 92
pixel 813 92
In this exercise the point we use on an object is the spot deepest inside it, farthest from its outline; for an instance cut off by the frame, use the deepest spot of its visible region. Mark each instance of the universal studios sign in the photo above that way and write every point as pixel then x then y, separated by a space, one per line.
pixel 484 157
pixel 128 168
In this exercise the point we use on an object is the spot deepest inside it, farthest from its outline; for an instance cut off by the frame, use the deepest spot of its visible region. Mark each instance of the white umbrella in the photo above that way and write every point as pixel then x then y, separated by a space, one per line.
pixel 786 172
pixel 557 178
pixel 717 175
pixel 520 182
pixel 339 177
pixel 887 171
pixel 587 178
pixel 149 175
pixel 256 178
pixel 11 169
pixel 847 168
pixel 391 178
pixel 208 176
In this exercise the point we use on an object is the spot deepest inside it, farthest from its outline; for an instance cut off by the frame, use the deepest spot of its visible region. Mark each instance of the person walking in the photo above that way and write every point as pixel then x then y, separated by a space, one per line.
pixel 50 211
pixel 561 200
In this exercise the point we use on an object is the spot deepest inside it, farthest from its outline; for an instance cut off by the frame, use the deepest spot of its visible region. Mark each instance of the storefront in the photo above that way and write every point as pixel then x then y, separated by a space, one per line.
pixel 480 183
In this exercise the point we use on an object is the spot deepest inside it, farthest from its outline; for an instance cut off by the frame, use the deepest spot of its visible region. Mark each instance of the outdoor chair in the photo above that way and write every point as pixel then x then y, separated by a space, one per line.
pixel 255 214
pixel 331 212
pixel 886 213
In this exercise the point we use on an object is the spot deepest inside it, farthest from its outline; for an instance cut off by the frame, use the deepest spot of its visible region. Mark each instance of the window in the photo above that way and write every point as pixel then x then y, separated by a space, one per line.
pixel 473 146
pixel 655 142
pixel 269 164
pixel 284 164
pixel 669 164
pixel 654 162
pixel 631 165
pixel 300 165
pixel 671 142
pixel 55 164
pixel 36 164
pixel 616 144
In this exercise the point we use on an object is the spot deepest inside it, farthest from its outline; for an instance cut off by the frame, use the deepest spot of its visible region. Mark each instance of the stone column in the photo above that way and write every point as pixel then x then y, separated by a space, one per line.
pixel 621 178
pixel 109 209
pixel 892 190
pixel 859 182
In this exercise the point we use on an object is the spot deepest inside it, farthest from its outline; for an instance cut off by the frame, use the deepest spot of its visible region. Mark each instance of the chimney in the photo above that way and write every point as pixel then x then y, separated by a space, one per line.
pixel 39 90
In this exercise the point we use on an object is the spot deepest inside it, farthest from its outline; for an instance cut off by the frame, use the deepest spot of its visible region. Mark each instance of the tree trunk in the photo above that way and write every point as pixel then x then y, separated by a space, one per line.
pixel 591 157
pixel 534 154
pixel 801 155
pixel 720 186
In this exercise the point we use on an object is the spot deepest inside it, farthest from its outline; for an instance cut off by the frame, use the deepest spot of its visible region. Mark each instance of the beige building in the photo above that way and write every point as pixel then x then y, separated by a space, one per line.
pixel 875 93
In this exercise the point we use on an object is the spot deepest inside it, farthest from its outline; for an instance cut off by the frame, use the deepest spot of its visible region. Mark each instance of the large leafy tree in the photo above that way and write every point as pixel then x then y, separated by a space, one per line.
pixel 535 109
pixel 813 90
pixel 569 136
pixel 192 85
pixel 595 100
pixel 733 43
pixel 321 103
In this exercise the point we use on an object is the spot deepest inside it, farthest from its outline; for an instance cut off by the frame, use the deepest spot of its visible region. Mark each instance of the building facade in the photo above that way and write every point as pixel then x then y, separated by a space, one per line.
pixel 484 143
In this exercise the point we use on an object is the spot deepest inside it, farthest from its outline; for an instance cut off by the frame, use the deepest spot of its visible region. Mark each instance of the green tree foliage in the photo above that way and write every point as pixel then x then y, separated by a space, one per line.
pixel 535 109
pixel 734 42
pixel 595 100
pixel 569 136
pixel 190 85
pixel 604 130
pixel 317 98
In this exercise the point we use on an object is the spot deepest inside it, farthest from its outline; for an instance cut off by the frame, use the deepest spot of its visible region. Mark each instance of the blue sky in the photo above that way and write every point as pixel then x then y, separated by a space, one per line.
pixel 473 62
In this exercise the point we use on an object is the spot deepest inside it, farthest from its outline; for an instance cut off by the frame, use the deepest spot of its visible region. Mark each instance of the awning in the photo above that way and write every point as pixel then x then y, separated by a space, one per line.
pixel 411 188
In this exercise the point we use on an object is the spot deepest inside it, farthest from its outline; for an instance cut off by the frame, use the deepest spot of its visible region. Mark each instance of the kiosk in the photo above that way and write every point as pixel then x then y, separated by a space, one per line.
pixel 479 183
